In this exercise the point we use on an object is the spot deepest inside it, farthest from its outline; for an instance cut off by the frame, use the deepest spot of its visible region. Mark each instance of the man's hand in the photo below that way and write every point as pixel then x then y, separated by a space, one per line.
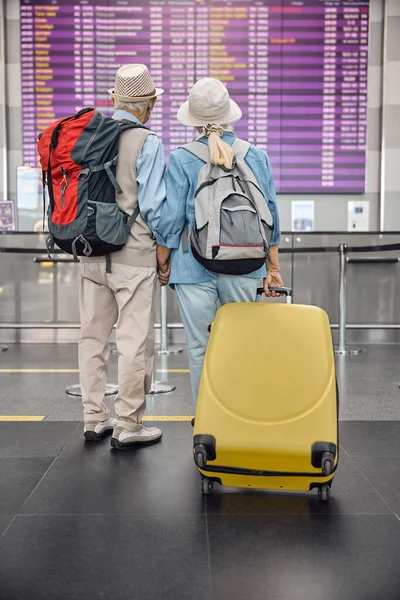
pixel 163 273
pixel 273 279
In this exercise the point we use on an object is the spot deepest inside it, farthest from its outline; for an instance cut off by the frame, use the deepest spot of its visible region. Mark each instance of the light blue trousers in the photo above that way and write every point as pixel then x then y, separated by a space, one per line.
pixel 198 303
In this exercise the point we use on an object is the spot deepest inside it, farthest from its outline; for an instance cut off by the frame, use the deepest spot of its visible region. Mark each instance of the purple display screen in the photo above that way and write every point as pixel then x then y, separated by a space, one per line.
pixel 298 70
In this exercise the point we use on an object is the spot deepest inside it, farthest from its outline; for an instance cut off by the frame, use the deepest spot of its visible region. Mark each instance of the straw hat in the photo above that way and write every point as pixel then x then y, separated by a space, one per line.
pixel 208 102
pixel 133 83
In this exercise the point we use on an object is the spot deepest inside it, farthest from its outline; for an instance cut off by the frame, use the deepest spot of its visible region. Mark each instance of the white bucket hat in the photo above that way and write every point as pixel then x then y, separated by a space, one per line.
pixel 208 102
pixel 133 83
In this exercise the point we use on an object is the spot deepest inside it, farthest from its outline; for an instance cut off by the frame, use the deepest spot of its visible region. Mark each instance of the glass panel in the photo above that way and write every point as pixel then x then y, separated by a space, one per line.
pixel 41 293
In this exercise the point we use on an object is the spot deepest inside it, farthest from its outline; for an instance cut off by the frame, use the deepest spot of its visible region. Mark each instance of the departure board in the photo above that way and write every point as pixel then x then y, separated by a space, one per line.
pixel 297 69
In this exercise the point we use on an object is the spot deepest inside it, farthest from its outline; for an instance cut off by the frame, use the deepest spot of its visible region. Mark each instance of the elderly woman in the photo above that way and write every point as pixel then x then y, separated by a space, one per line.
pixel 210 110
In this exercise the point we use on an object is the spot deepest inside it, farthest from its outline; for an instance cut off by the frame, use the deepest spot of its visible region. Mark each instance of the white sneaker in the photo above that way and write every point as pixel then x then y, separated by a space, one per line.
pixel 96 430
pixel 122 438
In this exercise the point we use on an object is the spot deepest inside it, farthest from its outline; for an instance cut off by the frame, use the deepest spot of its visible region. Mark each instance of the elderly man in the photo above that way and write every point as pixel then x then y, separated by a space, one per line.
pixel 126 295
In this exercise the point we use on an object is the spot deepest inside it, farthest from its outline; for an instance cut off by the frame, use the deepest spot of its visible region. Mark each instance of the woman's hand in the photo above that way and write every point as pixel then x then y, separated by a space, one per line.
pixel 273 279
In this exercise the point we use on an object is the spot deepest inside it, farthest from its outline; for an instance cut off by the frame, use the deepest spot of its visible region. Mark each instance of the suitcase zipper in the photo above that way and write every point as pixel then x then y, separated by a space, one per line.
pixel 260 473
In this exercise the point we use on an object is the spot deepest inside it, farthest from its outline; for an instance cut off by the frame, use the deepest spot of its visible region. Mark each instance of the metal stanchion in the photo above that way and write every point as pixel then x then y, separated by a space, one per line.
pixel 55 291
pixel 160 387
pixel 157 387
pixel 342 351
pixel 75 390
pixel 164 328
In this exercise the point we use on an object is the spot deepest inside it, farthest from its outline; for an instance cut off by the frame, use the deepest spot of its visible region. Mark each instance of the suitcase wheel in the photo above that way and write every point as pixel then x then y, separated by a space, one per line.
pixel 327 463
pixel 324 493
pixel 207 485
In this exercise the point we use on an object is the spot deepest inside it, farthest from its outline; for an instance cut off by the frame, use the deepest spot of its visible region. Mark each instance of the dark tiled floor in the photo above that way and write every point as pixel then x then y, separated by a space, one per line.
pixel 52 439
pixel 105 557
pixel 309 557
pixel 384 475
pixel 81 521
pixel 372 438
pixel 5 521
pixel 93 523
pixel 18 479
pixel 156 480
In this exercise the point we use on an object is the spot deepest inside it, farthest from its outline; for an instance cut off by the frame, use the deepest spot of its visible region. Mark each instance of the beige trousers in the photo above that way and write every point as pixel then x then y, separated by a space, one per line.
pixel 124 297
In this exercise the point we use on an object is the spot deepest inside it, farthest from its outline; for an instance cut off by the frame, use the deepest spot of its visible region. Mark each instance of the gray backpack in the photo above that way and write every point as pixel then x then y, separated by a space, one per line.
pixel 233 222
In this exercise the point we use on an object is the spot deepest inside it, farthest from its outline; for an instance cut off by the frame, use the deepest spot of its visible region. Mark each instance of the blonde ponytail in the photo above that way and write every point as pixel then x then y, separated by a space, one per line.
pixel 220 152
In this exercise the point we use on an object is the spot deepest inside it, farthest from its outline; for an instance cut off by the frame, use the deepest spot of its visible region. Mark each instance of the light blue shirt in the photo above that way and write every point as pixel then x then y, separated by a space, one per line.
pixel 150 175
pixel 178 210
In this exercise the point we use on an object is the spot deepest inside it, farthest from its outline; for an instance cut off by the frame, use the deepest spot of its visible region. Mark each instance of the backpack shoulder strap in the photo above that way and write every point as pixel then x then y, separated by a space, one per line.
pixel 133 217
pixel 143 133
pixel 240 148
pixel 198 149
pixel 125 124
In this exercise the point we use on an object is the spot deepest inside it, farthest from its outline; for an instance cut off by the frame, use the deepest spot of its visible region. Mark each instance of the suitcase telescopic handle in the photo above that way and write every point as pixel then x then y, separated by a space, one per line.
pixel 285 291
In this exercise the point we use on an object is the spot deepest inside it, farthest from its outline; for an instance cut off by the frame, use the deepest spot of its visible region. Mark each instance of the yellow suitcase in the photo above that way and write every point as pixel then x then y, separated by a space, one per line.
pixel 267 412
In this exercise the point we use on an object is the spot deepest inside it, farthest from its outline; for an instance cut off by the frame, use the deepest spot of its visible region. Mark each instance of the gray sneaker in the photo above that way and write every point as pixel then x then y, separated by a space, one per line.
pixel 122 438
pixel 96 430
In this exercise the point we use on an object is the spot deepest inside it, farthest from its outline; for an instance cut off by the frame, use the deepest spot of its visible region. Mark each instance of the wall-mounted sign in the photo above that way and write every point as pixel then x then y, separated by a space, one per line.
pixel 28 188
pixel 7 216
pixel 303 215
pixel 358 215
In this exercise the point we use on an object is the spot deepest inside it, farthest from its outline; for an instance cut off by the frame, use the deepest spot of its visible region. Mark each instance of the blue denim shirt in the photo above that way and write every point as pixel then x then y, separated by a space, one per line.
pixel 178 209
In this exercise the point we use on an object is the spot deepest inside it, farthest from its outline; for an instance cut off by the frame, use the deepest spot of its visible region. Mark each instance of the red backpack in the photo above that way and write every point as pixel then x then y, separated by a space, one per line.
pixel 79 155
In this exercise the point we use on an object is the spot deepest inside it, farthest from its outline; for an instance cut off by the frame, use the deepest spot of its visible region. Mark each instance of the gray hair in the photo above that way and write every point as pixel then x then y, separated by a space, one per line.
pixel 139 107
